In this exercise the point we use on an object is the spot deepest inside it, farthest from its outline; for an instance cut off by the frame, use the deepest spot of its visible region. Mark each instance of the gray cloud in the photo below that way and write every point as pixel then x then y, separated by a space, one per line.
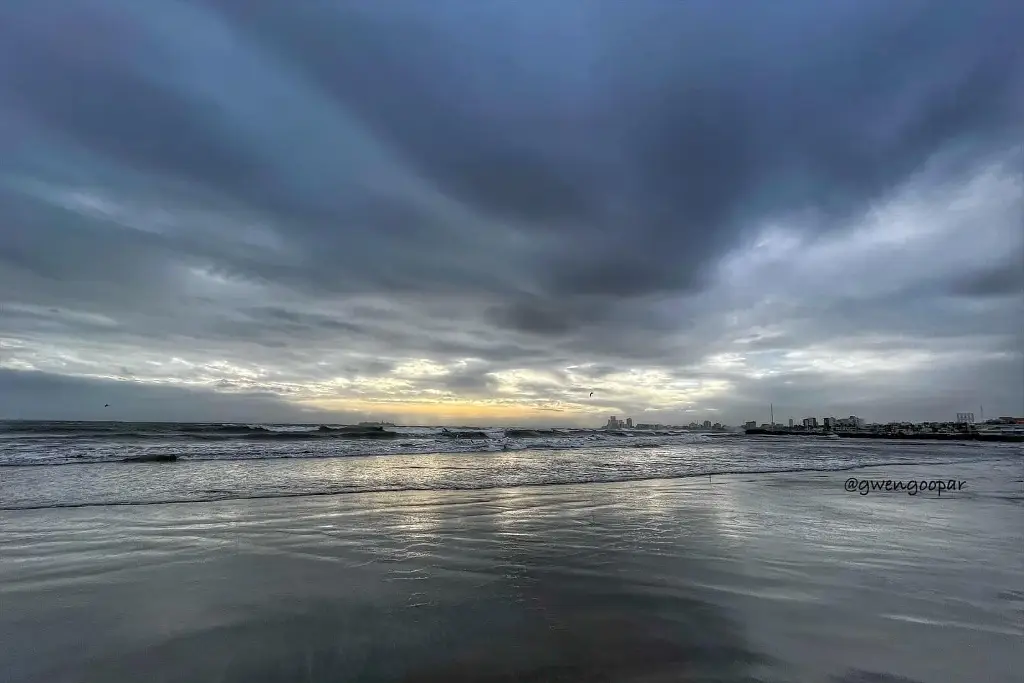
pixel 1000 280
pixel 37 395
pixel 299 198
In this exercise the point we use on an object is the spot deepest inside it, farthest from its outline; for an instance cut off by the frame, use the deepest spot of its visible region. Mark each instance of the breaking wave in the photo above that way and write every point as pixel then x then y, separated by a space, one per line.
pixel 70 443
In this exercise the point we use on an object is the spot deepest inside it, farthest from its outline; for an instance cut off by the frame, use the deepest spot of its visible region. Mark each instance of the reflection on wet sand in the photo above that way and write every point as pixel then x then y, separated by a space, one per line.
pixel 590 608
pixel 740 579
pixel 524 585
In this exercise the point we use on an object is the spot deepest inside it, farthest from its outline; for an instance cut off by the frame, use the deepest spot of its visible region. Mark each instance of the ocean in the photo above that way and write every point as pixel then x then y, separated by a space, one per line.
pixel 295 553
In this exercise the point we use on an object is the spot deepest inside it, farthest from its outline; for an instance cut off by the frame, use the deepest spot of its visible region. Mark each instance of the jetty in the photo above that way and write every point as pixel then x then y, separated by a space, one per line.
pixel 914 436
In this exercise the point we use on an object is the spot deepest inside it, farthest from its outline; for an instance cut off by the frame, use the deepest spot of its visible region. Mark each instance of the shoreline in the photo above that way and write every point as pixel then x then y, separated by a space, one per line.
pixel 723 477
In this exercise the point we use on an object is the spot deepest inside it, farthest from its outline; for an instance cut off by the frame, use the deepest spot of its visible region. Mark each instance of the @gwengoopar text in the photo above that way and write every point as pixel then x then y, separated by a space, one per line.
pixel 912 487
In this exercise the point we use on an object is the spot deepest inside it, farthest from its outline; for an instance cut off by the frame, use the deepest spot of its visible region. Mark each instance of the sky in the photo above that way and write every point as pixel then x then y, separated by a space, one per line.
pixel 480 212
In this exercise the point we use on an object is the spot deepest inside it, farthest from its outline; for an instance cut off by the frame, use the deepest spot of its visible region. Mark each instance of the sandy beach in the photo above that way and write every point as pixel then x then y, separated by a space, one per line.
pixel 766 577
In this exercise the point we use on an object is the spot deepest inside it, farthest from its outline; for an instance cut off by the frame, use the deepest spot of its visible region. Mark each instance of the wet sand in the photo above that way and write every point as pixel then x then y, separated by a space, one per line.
pixel 761 577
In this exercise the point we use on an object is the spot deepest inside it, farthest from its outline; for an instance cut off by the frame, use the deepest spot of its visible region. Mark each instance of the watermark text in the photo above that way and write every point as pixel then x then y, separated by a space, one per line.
pixel 912 486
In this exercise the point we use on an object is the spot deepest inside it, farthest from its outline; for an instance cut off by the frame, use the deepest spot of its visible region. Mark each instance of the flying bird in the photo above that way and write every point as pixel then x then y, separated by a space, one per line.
pixel 591 394
pixel 106 405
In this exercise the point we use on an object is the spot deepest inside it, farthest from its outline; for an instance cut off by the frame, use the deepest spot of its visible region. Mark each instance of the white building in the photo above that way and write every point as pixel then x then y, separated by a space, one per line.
pixel 852 423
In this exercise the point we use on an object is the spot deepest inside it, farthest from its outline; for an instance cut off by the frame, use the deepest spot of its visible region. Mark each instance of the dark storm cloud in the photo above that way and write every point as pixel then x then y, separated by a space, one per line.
pixel 302 188
pixel 545 317
pixel 596 149
pixel 607 150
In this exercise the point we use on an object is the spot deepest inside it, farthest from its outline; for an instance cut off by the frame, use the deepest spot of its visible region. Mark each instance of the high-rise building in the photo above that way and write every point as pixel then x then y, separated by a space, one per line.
pixel 629 423
pixel 750 424
pixel 707 424
pixel 965 418
pixel 811 422
pixel 790 423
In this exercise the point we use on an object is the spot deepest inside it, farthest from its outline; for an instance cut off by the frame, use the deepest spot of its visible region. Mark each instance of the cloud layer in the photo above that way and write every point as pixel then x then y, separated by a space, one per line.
pixel 484 211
